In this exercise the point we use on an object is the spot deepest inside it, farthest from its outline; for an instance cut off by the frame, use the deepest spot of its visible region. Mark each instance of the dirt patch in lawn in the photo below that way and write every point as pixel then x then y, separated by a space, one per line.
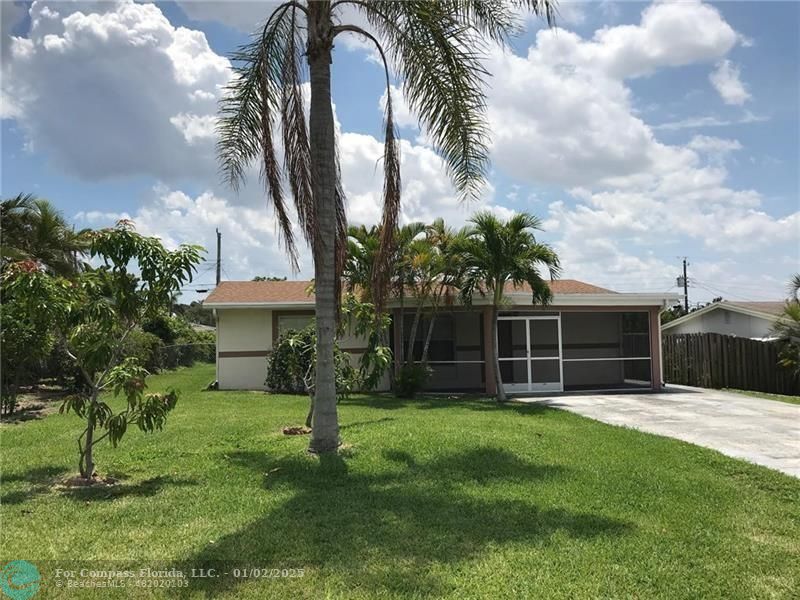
pixel 94 481
pixel 35 402
pixel 296 430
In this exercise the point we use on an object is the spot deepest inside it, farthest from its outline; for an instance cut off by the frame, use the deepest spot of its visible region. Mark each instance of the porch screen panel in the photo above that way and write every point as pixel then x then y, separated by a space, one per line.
pixel 512 341
pixel 455 353
pixel 606 350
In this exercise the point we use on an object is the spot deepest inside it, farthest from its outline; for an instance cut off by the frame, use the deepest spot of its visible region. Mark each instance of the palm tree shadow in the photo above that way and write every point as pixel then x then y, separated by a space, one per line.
pixel 410 514
pixel 423 402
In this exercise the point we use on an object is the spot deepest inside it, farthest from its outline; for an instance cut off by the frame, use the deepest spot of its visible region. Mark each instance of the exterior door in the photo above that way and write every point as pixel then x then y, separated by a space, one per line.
pixel 529 352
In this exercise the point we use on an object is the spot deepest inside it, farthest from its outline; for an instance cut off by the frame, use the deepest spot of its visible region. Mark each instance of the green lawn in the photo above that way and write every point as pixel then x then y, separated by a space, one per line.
pixel 778 397
pixel 431 498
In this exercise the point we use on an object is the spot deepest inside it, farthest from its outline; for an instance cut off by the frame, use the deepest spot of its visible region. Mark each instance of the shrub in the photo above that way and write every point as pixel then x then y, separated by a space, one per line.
pixel 146 348
pixel 290 366
pixel 412 379
pixel 289 362
pixel 182 345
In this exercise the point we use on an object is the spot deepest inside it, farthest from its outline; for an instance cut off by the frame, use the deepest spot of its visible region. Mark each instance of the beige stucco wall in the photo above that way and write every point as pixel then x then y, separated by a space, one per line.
pixel 244 337
pixel 715 321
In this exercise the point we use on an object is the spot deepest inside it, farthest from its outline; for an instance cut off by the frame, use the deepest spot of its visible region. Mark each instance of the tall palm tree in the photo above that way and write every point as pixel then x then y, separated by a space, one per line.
pixel 494 253
pixel 34 230
pixel 436 48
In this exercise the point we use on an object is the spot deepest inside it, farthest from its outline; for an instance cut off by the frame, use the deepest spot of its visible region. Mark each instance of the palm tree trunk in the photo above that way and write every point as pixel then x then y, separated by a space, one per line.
pixel 325 424
pixel 498 379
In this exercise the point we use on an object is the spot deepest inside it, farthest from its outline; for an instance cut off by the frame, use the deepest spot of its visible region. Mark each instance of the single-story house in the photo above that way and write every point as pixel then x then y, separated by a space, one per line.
pixel 753 320
pixel 588 338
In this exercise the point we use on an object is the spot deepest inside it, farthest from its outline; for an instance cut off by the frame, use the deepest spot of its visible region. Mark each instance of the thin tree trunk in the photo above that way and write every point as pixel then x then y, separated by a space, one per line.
pixel 402 325
pixel 310 416
pixel 325 424
pixel 87 459
pixel 428 339
pixel 498 379
pixel 434 311
pixel 412 338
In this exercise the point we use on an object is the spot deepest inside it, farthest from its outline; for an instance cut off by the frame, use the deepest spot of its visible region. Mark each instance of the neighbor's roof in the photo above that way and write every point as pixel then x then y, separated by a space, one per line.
pixel 294 292
pixel 768 308
pixel 769 311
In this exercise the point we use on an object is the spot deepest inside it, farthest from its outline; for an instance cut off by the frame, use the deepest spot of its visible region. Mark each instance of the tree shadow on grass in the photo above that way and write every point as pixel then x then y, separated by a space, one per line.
pixel 383 531
pixel 144 488
pixel 386 402
pixel 44 480
pixel 40 480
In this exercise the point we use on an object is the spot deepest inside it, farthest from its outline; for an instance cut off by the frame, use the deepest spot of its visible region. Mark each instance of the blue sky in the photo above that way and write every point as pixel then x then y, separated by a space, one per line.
pixel 638 132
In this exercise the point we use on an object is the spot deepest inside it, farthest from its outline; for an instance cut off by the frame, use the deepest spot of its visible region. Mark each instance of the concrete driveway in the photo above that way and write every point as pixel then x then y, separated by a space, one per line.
pixel 765 432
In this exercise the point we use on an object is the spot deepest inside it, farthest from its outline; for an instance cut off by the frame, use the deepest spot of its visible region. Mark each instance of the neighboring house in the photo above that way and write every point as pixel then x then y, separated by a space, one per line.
pixel 753 320
pixel 588 338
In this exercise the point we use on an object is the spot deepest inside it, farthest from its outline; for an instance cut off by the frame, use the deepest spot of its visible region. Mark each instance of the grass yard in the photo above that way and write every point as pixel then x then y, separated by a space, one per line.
pixel 778 397
pixel 431 498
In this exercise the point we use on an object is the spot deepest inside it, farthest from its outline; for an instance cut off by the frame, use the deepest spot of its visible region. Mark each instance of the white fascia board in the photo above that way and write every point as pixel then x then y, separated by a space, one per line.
pixel 516 299
pixel 270 305
pixel 624 299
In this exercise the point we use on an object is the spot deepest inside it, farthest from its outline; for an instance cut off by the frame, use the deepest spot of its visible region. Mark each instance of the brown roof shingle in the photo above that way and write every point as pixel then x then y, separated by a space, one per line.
pixel 256 292
pixel 288 292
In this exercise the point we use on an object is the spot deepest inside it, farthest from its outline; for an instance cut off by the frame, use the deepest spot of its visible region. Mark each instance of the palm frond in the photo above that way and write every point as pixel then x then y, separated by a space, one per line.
pixel 297 151
pixel 248 110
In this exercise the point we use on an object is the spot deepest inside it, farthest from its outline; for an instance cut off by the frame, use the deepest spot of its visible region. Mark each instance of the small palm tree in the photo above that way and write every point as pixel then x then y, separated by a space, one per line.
pixel 363 245
pixel 787 328
pixel 34 230
pixel 437 48
pixel 494 253
pixel 794 287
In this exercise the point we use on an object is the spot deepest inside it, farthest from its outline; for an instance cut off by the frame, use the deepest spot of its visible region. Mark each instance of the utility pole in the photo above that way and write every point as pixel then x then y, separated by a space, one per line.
pixel 219 257
pixel 684 281
pixel 685 284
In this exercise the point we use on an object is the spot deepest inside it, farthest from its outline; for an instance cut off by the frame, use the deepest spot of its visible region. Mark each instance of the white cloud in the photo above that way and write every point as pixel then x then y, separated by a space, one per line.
pixel 113 89
pixel 246 16
pixel 669 35
pixel 569 100
pixel 403 115
pixel 194 127
pixel 709 121
pixel 563 114
pixel 725 79
pixel 141 96
pixel 249 238
pixel 716 149
pixel 11 13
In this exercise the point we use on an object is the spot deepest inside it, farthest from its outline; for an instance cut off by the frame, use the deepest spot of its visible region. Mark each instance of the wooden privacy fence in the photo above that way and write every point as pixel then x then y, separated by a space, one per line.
pixel 711 360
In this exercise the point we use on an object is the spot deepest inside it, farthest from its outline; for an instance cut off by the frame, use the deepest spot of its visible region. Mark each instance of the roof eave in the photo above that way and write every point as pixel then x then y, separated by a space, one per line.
pixel 723 305
pixel 516 298
pixel 275 305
